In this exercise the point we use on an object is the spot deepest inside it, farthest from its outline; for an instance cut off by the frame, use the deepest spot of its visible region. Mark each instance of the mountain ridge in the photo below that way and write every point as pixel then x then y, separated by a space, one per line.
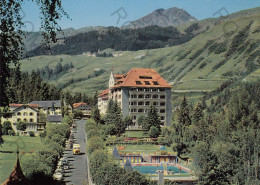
pixel 163 18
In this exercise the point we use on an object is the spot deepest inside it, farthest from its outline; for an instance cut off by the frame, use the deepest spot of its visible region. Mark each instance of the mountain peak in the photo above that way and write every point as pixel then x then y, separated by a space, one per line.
pixel 161 17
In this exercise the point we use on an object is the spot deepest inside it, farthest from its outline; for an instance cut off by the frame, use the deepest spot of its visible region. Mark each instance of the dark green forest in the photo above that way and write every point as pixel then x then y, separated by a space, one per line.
pixel 150 37
pixel 25 87
pixel 221 134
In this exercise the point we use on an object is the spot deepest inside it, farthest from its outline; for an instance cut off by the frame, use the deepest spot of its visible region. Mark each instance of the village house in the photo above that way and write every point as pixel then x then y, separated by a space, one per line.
pixel 51 107
pixel 27 114
pixel 84 108
pixel 136 91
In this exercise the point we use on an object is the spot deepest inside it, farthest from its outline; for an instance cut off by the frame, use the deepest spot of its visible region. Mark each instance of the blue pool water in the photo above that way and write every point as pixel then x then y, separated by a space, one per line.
pixel 153 169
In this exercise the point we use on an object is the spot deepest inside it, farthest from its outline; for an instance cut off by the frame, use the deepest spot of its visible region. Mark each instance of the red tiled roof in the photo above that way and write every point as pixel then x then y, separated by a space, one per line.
pixel 118 76
pixel 34 105
pixel 104 93
pixel 143 77
pixel 75 105
pixel 15 105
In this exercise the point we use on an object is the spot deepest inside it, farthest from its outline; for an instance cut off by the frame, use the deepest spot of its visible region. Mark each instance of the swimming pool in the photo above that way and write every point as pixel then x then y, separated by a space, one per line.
pixel 153 169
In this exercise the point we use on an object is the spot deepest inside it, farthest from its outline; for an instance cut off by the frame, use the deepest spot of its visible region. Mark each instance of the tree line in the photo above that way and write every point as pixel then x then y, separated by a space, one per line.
pixel 149 37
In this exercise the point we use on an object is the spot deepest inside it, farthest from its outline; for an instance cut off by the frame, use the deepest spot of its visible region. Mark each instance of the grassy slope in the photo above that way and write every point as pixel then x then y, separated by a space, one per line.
pixel 182 71
pixel 26 144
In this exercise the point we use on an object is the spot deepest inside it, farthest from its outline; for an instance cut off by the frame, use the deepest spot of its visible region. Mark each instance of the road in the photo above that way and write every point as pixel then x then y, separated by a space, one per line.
pixel 77 174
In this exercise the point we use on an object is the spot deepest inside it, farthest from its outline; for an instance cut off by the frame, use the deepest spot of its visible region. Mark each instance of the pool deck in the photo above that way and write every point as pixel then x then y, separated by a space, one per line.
pixel 159 164
pixel 179 179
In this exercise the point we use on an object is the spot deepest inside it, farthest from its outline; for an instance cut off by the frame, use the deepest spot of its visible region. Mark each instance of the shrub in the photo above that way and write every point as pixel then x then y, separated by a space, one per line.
pixel 31 134
pixel 11 133
pixel 111 129
pixel 154 132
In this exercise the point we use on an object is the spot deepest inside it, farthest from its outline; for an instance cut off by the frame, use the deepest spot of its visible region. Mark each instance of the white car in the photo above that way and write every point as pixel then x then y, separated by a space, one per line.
pixel 58 176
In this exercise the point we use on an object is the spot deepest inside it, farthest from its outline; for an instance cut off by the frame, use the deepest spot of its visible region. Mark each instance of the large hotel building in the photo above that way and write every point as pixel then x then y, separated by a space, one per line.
pixel 136 91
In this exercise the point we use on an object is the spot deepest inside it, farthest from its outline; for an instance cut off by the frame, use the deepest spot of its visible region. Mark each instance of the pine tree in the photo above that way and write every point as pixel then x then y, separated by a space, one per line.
pixel 118 121
pixel 128 121
pixel 96 115
pixel 153 118
pixel 197 113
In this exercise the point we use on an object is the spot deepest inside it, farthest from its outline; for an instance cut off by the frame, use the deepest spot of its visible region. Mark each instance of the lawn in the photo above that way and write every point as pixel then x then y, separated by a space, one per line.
pixel 26 145
pixel 137 134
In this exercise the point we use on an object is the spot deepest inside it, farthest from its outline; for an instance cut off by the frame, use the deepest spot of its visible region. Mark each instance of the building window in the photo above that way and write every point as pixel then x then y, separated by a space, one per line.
pixel 162 118
pixel 147 83
pixel 162 111
pixel 161 90
pixel 25 120
pixel 154 89
pixel 134 117
pixel 155 83
pixel 140 96
pixel 18 113
pixel 162 96
pixel 155 96
pixel 147 103
pixel 133 110
pixel 162 103
pixel 119 96
pixel 140 103
pixel 155 103
pixel 146 89
pixel 31 120
pixel 133 96
pixel 139 89
pixel 25 114
pixel 147 96
pixel 18 120
pixel 31 113
pixel 133 103
pixel 138 83
pixel 140 110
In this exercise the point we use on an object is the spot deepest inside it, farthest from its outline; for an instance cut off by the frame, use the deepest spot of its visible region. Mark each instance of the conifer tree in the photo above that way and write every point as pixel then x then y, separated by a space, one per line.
pixel 96 115
pixel 153 118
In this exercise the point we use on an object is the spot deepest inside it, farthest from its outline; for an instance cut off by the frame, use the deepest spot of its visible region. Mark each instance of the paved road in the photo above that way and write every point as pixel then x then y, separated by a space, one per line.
pixel 77 174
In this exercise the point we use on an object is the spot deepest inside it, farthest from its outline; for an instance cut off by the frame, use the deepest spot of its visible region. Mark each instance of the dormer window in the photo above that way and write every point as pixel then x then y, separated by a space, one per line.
pixel 145 77
pixel 138 83
pixel 147 83
pixel 155 83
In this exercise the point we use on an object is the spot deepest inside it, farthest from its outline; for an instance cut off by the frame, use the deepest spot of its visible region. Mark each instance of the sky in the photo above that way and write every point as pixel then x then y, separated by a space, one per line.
pixel 85 13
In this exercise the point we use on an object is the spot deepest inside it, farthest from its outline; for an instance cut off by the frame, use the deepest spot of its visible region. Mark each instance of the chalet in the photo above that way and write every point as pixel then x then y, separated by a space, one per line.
pixel 27 114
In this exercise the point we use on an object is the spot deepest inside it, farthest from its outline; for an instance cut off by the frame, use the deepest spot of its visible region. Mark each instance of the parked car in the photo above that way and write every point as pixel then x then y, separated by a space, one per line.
pixel 60 167
pixel 58 176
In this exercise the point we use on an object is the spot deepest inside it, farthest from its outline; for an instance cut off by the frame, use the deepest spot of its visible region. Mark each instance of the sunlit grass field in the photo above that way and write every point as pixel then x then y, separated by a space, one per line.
pixel 27 146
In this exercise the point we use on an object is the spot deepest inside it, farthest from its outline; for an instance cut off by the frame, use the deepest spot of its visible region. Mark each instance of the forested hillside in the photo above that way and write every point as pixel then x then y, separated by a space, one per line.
pixel 33 40
pixel 24 88
pixel 120 39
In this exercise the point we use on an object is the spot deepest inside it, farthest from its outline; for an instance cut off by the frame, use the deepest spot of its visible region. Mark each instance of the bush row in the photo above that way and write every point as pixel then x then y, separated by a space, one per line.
pixel 40 166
